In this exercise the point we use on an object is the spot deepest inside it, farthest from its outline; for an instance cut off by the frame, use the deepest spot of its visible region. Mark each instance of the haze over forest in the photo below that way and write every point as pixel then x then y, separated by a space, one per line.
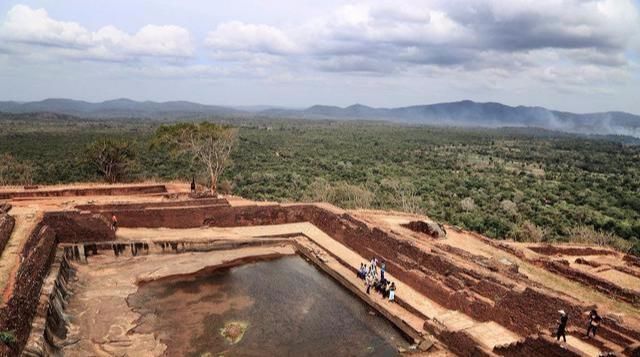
pixel 462 113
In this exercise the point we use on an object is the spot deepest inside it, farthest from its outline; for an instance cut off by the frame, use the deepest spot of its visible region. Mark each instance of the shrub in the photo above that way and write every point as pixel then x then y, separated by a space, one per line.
pixel 528 232
pixel 8 337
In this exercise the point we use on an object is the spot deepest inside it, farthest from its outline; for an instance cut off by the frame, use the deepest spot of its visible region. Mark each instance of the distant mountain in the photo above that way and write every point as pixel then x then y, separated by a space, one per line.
pixel 462 113
pixel 469 113
pixel 117 108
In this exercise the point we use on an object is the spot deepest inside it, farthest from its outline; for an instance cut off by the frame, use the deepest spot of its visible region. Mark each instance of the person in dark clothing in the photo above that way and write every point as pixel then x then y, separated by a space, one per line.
pixel 114 223
pixel 594 322
pixel 562 326
pixel 383 288
pixel 382 270
pixel 193 185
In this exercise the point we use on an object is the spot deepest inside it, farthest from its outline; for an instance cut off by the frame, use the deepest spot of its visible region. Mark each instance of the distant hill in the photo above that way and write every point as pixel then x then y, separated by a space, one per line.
pixel 469 113
pixel 462 113
pixel 117 108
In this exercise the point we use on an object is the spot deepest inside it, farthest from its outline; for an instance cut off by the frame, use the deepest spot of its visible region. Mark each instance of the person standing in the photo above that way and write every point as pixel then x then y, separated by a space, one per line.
pixel 383 267
pixel 392 292
pixel 373 268
pixel 562 326
pixel 193 185
pixel 594 322
pixel 369 282
pixel 114 222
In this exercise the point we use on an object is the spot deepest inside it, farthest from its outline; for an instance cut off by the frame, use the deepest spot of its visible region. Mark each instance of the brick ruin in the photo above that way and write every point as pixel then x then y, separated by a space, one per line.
pixel 480 289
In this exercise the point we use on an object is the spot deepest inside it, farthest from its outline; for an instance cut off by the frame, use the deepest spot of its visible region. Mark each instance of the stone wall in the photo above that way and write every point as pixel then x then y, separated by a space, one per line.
pixel 88 191
pixel 604 286
pixel 75 227
pixel 17 313
pixel 559 250
pixel 6 228
pixel 535 346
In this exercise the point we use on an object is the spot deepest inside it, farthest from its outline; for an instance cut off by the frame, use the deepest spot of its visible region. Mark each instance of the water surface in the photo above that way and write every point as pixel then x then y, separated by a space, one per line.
pixel 290 307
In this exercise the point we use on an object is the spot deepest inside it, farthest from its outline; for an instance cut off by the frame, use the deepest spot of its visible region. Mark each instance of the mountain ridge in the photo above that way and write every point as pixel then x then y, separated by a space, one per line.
pixel 458 113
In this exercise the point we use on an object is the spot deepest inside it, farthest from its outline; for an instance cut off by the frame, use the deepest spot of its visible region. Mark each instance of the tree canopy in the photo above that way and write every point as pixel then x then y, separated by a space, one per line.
pixel 110 158
pixel 208 145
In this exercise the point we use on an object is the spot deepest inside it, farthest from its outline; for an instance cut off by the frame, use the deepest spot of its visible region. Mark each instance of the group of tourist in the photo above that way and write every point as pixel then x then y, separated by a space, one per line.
pixel 381 285
pixel 592 327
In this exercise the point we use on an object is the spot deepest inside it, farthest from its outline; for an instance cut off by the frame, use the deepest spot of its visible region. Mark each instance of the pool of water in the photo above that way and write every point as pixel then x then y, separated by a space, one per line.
pixel 289 308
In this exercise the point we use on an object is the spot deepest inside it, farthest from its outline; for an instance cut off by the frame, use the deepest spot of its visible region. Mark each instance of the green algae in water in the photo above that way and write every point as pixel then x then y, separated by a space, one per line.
pixel 234 331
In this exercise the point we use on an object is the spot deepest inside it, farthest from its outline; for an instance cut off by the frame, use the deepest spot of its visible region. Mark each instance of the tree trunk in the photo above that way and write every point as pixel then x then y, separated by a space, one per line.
pixel 214 180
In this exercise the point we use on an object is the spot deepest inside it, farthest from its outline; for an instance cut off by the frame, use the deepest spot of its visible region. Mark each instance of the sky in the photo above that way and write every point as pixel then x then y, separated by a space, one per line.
pixel 573 55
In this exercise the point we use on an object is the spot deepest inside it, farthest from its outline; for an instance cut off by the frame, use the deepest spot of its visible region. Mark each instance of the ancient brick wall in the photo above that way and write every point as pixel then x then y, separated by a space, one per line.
pixel 597 283
pixel 17 313
pixel 555 250
pixel 6 227
pixel 536 346
pixel 75 227
pixel 90 191
pixel 146 205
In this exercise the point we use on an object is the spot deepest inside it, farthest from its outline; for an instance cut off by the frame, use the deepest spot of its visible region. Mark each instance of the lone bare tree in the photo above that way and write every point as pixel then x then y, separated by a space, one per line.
pixel 110 158
pixel 208 144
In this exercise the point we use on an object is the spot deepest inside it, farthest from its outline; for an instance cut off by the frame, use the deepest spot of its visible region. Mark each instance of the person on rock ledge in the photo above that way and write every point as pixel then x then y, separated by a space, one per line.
pixel 114 222
pixel 362 273
pixel 368 282
pixel 594 322
pixel 562 326
pixel 392 292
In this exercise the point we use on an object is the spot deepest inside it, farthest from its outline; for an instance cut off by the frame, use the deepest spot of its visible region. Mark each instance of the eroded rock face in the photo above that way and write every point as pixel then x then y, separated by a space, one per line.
pixel 430 228
pixel 233 331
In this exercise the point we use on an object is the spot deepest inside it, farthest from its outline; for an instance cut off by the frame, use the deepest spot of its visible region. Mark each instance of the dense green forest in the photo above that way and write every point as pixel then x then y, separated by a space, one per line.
pixel 523 184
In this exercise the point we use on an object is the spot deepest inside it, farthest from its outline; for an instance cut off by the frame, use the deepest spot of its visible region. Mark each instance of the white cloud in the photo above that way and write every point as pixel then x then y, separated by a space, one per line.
pixel 25 27
pixel 388 37
pixel 510 50
pixel 240 37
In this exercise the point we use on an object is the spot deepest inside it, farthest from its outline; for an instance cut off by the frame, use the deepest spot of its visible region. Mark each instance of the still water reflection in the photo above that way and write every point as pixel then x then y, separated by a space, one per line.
pixel 289 307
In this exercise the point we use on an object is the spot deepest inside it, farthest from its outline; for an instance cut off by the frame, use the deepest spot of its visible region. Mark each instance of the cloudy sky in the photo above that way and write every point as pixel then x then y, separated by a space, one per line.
pixel 577 55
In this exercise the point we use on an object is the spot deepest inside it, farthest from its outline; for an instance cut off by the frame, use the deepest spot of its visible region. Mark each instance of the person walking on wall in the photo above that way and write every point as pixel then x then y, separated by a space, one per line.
pixel 562 326
pixel 369 282
pixel 594 322
pixel 193 185
pixel 383 267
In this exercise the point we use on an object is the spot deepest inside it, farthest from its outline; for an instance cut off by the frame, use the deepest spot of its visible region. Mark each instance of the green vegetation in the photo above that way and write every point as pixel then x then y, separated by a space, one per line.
pixel 208 145
pixel 506 183
pixel 111 158
pixel 7 337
